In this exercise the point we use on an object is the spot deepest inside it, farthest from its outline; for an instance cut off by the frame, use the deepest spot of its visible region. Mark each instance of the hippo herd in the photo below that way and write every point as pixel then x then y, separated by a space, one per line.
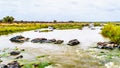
pixel 21 39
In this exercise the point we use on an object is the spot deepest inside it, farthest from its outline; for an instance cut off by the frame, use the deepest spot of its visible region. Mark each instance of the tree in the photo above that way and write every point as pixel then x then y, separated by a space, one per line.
pixel 54 21
pixel 8 19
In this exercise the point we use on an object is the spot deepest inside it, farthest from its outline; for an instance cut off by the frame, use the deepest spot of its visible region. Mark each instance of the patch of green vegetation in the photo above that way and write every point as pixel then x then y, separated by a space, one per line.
pixel 44 30
pixel 7 28
pixel 97 24
pixel 36 65
pixel 33 63
pixel 68 26
pixel 43 65
pixel 112 32
pixel 109 56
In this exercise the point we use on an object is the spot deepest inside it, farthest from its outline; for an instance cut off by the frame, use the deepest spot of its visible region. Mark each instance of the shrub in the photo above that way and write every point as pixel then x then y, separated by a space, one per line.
pixel 8 19
pixel 112 32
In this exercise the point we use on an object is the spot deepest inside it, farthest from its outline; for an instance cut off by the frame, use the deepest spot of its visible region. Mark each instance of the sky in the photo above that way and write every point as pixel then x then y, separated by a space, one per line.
pixel 61 10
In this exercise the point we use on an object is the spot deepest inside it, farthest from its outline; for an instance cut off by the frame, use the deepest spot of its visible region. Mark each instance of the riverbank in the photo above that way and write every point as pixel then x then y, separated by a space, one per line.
pixel 7 28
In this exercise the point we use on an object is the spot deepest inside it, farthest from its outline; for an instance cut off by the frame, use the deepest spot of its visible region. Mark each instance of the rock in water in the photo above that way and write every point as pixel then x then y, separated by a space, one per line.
pixel 15 53
pixel 106 45
pixel 19 57
pixel 19 39
pixel 59 42
pixel 39 40
pixel 14 64
pixel 73 42
pixel 50 41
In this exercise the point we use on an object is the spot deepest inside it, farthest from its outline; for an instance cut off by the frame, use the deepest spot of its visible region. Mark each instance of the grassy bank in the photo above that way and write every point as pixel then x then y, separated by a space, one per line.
pixel 6 28
pixel 112 32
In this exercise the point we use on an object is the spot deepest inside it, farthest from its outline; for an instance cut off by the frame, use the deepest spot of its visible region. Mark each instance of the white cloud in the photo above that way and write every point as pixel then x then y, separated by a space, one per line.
pixel 82 10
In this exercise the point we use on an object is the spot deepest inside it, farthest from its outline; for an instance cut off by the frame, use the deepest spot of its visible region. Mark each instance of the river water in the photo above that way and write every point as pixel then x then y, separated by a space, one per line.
pixel 63 55
pixel 86 36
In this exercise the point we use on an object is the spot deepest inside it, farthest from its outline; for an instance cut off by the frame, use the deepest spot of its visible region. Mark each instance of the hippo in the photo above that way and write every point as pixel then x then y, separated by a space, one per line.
pixel 14 64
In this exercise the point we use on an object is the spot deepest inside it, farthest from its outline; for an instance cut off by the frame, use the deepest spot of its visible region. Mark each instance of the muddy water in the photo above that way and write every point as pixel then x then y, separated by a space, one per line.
pixel 63 56
pixel 87 37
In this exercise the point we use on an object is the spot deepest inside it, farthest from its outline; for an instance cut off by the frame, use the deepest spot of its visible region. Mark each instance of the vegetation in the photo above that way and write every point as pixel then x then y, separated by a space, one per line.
pixel 112 32
pixel 6 28
pixel 8 19
pixel 110 56
pixel 36 65
pixel 97 24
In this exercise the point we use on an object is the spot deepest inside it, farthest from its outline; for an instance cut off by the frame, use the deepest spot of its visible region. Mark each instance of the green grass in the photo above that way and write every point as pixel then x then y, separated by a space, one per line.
pixel 39 65
pixel 6 28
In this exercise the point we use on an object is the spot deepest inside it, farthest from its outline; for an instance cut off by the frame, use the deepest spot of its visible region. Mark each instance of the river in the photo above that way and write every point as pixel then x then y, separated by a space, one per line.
pixel 86 36
pixel 63 55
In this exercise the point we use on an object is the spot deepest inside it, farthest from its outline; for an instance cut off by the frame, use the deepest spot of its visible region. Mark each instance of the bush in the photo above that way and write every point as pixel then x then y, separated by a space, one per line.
pixel 112 32
pixel 8 19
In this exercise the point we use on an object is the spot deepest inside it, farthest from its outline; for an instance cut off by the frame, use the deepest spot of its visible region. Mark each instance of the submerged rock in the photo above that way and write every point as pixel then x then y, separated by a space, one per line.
pixel 39 40
pixel 13 64
pixel 73 42
pixel 19 39
pixel 59 42
pixel 15 53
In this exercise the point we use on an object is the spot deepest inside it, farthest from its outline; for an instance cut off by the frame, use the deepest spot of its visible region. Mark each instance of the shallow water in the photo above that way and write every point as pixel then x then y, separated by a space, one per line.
pixel 87 38
pixel 64 56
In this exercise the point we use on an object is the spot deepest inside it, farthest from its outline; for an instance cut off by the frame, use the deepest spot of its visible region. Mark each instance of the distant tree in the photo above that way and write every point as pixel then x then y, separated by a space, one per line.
pixel 21 21
pixel 8 19
pixel 0 21
pixel 55 21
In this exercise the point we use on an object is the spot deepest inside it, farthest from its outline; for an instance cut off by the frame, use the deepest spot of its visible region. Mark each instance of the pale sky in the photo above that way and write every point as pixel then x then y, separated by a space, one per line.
pixel 61 10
